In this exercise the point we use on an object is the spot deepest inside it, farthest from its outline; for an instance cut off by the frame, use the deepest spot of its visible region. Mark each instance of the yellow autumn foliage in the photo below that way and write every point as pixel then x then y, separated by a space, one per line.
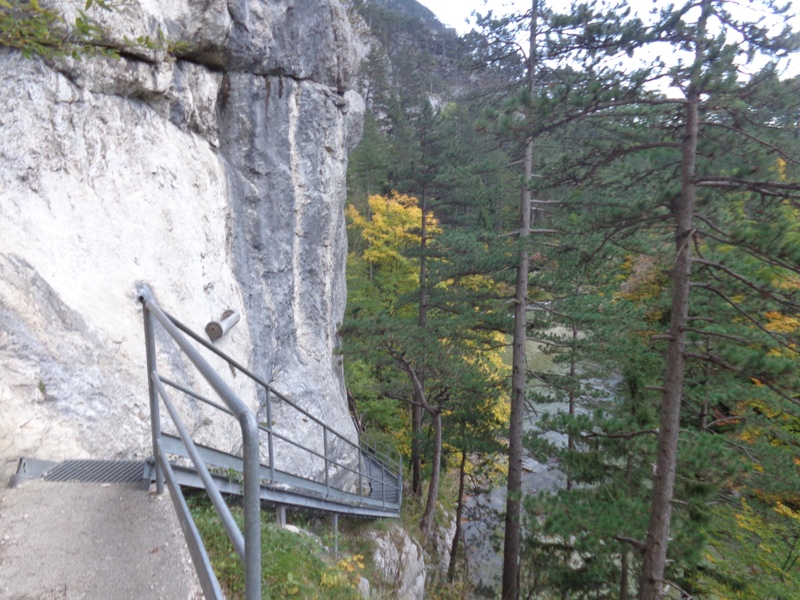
pixel 394 223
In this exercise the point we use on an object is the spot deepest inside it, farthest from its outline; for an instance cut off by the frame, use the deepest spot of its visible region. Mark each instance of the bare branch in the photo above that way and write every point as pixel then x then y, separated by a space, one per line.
pixel 620 436
pixel 638 544
pixel 548 342
pixel 767 188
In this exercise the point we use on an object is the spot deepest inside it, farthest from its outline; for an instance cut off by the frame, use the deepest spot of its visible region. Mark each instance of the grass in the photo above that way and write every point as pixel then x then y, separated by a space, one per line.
pixel 292 565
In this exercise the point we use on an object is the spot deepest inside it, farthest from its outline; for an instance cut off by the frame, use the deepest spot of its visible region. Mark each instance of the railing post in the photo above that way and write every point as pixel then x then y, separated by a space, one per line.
pixel 399 480
pixel 335 535
pixel 269 438
pixel 325 453
pixel 252 506
pixel 383 484
pixel 155 417
pixel 281 515
pixel 361 474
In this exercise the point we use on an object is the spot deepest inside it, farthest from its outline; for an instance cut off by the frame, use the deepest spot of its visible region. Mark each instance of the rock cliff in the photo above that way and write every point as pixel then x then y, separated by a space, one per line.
pixel 210 168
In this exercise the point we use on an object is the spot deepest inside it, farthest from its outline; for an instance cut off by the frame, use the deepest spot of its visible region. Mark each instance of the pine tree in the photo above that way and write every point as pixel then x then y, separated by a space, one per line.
pixel 650 153
pixel 450 353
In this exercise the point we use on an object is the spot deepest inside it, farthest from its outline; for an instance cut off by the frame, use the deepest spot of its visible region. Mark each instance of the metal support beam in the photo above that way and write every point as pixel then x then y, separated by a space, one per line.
pixel 155 417
pixel 335 535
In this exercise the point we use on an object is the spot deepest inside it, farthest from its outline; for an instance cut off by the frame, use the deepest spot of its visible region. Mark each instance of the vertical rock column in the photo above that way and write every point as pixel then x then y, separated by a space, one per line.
pixel 285 143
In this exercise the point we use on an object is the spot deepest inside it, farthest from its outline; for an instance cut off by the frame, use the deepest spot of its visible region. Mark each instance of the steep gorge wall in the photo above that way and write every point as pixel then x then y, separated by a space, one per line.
pixel 215 178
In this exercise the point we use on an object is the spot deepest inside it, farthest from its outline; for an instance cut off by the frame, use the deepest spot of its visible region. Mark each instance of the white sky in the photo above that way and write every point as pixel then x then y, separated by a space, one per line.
pixel 455 13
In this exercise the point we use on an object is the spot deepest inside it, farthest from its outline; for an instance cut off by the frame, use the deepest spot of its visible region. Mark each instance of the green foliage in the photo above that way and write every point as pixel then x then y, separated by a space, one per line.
pixel 383 283
pixel 753 553
pixel 602 260
pixel 448 342
pixel 292 565
pixel 608 152
pixel 34 30
pixel 386 419
pixel 28 27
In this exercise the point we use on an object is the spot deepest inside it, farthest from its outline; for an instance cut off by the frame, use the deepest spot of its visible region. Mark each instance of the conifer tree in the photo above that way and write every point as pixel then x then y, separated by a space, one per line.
pixel 672 163
pixel 449 353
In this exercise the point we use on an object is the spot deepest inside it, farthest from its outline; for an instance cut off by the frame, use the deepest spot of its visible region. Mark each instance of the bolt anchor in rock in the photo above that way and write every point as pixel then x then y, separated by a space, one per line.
pixel 216 329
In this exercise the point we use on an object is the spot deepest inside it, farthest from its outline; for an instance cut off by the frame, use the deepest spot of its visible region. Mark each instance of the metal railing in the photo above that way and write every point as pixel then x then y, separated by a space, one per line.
pixel 377 478
pixel 247 545
pixel 388 485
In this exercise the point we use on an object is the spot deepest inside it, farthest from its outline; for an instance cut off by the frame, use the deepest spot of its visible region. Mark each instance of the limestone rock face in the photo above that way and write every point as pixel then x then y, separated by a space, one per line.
pixel 400 562
pixel 216 179
pixel 437 551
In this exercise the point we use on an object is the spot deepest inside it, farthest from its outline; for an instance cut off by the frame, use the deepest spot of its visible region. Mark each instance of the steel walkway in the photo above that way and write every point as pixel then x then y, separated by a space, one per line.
pixel 379 499
pixel 351 478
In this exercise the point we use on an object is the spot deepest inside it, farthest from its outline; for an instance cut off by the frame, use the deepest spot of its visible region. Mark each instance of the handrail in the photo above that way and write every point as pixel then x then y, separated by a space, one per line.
pixel 379 471
pixel 213 404
pixel 389 455
pixel 251 556
pixel 228 521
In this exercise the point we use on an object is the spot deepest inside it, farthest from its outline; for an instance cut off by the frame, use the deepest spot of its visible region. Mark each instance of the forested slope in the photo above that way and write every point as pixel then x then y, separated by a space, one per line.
pixel 659 156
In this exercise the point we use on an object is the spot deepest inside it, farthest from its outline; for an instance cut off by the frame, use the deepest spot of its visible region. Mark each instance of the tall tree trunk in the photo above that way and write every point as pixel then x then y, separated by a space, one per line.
pixel 657 540
pixel 416 408
pixel 625 565
pixel 426 524
pixel 572 372
pixel 416 450
pixel 624 575
pixel 462 469
pixel 511 542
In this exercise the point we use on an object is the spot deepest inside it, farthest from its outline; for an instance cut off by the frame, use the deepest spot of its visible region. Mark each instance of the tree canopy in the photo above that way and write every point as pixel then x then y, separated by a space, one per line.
pixel 659 154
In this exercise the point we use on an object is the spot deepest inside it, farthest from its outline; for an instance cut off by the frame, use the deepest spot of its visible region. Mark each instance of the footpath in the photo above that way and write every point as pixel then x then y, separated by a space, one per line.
pixel 91 541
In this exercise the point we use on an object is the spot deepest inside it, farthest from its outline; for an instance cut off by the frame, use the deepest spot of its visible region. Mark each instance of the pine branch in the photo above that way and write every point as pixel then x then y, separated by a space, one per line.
pixel 762 291
pixel 746 315
pixel 721 363
pixel 714 360
pixel 745 450
pixel 775 389
pixel 714 227
pixel 733 338
pixel 754 252
pixel 755 139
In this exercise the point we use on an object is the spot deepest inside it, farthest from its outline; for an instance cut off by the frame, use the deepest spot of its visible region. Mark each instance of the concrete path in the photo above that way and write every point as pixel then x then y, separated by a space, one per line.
pixel 91 541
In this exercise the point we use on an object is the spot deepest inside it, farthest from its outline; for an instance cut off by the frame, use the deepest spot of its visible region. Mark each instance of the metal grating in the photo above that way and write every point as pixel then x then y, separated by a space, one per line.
pixel 97 471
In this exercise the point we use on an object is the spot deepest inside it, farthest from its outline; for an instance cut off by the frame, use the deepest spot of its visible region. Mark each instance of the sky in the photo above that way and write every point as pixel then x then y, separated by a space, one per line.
pixel 454 12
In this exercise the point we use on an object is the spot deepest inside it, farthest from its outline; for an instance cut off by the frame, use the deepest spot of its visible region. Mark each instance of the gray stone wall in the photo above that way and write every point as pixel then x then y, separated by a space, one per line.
pixel 216 177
